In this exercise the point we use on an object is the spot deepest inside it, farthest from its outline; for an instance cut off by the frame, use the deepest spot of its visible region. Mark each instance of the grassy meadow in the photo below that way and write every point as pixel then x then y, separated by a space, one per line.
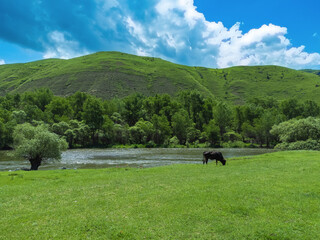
pixel 270 196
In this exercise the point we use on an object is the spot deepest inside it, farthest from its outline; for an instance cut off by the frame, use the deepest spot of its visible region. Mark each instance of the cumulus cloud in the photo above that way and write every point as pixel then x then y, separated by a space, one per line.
pixel 170 29
pixel 2 62
pixel 60 47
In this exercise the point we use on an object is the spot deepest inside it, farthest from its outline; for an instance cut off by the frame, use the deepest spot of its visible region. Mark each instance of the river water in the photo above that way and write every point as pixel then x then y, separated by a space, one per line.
pixel 139 157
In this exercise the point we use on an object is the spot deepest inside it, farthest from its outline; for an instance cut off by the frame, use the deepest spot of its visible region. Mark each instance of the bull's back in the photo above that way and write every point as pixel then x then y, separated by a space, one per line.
pixel 213 155
pixel 219 156
pixel 206 154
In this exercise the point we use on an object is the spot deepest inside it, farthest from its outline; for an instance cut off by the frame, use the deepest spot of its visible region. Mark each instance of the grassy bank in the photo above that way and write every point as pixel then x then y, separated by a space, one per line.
pixel 271 196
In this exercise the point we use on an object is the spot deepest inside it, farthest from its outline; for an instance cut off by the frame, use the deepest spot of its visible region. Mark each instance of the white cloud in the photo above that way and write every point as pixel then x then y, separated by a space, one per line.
pixel 265 46
pixel 181 34
pixel 136 30
pixel 2 62
pixel 60 47
pixel 174 30
pixel 165 7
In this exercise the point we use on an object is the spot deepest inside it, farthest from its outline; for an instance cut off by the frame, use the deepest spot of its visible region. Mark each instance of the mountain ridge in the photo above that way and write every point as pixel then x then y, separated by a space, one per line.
pixel 115 74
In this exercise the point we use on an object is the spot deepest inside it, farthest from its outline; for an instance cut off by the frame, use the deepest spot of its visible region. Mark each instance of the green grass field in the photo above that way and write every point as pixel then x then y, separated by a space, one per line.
pixel 113 74
pixel 271 196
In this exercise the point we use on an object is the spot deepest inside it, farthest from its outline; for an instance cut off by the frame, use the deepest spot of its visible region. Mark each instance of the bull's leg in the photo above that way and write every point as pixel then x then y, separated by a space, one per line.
pixel 216 162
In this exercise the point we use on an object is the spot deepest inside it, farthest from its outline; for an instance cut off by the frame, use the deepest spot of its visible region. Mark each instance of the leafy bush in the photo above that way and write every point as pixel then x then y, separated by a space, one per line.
pixel 298 130
pixel 298 134
pixel 300 145
pixel 235 144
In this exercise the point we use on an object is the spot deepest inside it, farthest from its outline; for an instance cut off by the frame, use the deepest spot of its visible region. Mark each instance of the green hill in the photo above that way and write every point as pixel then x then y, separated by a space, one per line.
pixel 114 74
pixel 317 72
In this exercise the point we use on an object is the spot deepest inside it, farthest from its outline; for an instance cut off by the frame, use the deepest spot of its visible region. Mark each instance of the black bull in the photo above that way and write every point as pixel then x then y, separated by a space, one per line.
pixel 213 155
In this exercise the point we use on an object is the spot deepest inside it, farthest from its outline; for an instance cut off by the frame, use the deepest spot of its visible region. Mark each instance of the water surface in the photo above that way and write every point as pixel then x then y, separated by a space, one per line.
pixel 139 157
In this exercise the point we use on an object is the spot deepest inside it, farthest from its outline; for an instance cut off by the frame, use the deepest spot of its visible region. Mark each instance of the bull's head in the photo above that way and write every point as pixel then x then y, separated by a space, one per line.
pixel 223 161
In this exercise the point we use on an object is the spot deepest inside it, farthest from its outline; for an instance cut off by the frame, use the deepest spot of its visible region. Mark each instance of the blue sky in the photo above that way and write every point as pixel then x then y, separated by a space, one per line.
pixel 301 18
pixel 205 33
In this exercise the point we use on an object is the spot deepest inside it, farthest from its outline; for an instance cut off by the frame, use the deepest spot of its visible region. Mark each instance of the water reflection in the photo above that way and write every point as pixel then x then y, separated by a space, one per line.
pixel 103 158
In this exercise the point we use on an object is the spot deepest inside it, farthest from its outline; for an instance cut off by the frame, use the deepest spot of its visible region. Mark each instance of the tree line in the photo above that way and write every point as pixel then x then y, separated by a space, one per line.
pixel 187 119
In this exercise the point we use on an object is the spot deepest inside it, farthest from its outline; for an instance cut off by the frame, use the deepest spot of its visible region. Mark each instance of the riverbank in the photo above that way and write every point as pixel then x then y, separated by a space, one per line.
pixel 270 196
pixel 124 157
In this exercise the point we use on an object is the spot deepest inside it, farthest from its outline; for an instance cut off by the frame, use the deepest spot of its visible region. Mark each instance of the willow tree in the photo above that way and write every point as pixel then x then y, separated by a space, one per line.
pixel 37 143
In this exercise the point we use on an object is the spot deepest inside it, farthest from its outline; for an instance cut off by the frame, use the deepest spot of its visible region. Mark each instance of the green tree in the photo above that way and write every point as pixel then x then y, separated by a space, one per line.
pixel 37 144
pixel 60 128
pixel 162 130
pixel 7 124
pixel 193 134
pixel 93 115
pixel 156 104
pixel 310 109
pixel 34 113
pixel 117 118
pixel 7 102
pixel 112 106
pixel 291 108
pixel 141 132
pixel 250 112
pixel 80 132
pixel 43 97
pixel 207 111
pixel 238 118
pixel 265 103
pixel 212 132
pixel 19 116
pixel 193 102
pixel 108 130
pixel 60 109
pixel 263 126
pixel 5 114
pixel 2 134
pixel 180 124
pixel 248 131
pixel 75 132
pixel 121 133
pixel 77 101
pixel 136 135
pixel 17 100
pixel 40 98
pixel 70 137
pixel 222 115
pixel 133 108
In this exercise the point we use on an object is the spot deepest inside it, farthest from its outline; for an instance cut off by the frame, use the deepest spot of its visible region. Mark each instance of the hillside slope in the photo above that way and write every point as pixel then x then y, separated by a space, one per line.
pixel 317 72
pixel 114 74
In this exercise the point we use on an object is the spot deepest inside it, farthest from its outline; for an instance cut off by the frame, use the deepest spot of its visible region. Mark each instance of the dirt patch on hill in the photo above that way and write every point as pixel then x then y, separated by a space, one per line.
pixel 102 84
